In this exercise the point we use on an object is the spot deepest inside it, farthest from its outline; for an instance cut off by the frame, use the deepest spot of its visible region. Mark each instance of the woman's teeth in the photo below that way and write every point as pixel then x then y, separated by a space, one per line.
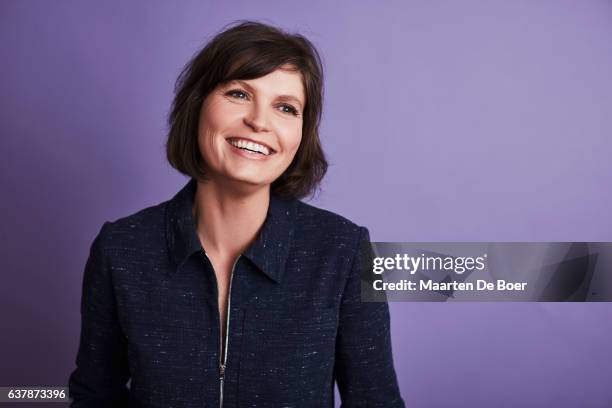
pixel 254 147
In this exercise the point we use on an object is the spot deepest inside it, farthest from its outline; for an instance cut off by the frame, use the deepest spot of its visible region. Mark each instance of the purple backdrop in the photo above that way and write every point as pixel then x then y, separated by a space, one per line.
pixel 467 121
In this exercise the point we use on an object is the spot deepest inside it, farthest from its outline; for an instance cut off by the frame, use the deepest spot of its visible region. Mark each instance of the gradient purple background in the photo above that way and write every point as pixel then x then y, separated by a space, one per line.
pixel 455 121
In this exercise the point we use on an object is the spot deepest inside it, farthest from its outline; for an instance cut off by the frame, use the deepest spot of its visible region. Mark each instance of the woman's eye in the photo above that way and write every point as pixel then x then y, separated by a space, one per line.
pixel 289 109
pixel 238 94
pixel 285 108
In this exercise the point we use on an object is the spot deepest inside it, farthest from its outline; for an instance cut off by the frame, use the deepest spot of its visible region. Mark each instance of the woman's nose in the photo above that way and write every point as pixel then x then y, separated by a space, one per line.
pixel 256 119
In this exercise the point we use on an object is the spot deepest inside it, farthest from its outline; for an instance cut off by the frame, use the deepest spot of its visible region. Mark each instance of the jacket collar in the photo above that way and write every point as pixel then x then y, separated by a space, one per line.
pixel 268 252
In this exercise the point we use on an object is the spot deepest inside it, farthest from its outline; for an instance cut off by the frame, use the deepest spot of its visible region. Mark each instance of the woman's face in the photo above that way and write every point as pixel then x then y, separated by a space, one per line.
pixel 250 130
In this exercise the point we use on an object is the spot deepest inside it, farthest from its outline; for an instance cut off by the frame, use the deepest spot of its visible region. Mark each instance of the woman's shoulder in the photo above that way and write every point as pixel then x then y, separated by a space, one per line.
pixel 141 226
pixel 325 224
pixel 311 213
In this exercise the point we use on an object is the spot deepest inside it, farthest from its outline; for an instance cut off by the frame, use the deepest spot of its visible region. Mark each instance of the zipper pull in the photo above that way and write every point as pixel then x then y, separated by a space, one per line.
pixel 221 377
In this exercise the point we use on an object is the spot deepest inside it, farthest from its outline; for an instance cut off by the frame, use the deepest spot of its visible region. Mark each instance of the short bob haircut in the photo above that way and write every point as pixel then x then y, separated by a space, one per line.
pixel 249 50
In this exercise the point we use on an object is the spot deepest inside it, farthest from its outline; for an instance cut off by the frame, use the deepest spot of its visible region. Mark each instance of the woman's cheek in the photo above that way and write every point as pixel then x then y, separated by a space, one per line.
pixel 295 138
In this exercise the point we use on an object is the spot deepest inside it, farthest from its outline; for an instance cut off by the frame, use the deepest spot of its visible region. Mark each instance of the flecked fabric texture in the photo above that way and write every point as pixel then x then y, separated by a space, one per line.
pixel 150 313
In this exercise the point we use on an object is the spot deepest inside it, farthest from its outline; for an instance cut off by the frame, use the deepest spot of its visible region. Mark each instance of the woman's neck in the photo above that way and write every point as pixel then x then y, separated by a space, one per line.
pixel 226 221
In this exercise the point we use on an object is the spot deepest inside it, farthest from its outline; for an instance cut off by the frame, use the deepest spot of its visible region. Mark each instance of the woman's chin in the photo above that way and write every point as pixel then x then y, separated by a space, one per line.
pixel 246 181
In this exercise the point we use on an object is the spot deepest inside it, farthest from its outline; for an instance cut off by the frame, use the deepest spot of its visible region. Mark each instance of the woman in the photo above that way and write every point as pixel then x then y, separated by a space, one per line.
pixel 235 293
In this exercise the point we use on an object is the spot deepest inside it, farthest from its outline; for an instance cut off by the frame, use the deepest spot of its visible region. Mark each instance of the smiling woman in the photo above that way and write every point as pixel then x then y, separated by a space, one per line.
pixel 235 293
pixel 262 71
pixel 248 131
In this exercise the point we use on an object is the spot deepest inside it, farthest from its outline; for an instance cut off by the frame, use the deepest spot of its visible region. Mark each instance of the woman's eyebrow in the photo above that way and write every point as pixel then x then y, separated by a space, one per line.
pixel 286 98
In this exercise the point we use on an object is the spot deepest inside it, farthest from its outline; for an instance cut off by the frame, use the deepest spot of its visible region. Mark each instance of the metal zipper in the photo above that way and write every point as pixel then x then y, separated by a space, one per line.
pixel 223 351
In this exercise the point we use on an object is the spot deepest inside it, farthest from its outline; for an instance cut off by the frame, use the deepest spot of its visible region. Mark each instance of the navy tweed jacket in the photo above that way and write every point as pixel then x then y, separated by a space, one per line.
pixel 150 316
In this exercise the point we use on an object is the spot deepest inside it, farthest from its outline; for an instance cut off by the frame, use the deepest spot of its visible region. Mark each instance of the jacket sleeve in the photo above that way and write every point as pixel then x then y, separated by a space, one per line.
pixel 364 364
pixel 102 365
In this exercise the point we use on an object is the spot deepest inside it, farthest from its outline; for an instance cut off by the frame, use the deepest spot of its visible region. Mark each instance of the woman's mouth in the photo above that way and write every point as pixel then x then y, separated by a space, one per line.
pixel 250 146
pixel 250 149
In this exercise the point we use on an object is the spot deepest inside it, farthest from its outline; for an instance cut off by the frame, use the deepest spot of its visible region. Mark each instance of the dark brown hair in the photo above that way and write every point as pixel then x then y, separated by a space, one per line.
pixel 249 50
